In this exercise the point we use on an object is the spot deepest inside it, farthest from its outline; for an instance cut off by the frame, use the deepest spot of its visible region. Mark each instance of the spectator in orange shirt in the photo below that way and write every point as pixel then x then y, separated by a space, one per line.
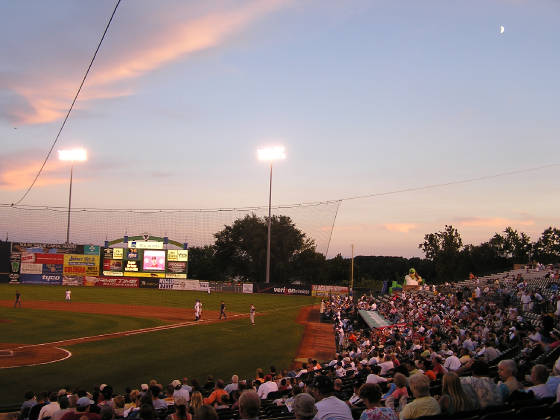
pixel 217 393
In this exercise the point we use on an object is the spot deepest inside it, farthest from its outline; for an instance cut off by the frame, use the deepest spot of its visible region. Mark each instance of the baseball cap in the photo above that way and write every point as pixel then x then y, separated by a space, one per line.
pixel 304 405
pixel 175 383
pixel 84 402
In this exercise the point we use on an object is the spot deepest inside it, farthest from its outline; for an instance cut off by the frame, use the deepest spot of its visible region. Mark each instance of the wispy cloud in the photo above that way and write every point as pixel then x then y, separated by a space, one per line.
pixel 19 174
pixel 494 222
pixel 399 227
pixel 35 99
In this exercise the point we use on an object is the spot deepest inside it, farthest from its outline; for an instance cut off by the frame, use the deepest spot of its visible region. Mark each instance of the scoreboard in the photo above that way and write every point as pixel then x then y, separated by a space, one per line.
pixel 145 259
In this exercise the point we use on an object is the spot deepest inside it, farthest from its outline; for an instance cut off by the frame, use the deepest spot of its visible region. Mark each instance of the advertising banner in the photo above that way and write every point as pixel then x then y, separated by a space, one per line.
pixel 166 284
pixel 112 265
pixel 91 249
pixel 41 278
pixel 320 290
pixel 15 265
pixel 116 282
pixel 176 275
pixel 52 268
pixel 108 253
pixel 278 289
pixel 89 281
pixel 247 287
pixel 113 273
pixel 118 253
pixel 145 244
pixel 132 254
pixel 131 266
pixel 38 248
pixel 27 257
pixel 149 283
pixel 31 268
pixel 49 258
pixel 179 284
pixel 178 255
pixel 139 274
pixel 81 265
pixel 176 267
pixel 204 286
pixel 72 280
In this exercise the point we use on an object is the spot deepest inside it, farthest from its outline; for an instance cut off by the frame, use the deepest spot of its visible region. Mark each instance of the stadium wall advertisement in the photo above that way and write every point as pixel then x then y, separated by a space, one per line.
pixel 325 291
pixel 55 279
pixel 110 282
pixel 279 289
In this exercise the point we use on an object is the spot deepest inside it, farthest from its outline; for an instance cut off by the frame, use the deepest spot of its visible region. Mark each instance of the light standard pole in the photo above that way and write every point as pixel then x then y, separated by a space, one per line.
pixel 270 154
pixel 74 155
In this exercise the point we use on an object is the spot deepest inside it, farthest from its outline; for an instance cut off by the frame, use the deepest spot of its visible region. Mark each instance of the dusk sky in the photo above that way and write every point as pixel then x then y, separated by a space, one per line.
pixel 366 96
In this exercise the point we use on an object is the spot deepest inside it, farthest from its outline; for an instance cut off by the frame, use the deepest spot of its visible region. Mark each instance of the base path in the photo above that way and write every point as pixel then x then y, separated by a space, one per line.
pixel 18 355
pixel 165 313
pixel 318 338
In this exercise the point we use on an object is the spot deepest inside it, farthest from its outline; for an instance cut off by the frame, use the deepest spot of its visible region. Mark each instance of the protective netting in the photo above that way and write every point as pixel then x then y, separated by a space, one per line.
pixel 196 227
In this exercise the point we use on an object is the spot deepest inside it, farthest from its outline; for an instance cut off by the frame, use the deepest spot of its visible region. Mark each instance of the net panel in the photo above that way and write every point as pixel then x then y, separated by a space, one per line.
pixel 196 227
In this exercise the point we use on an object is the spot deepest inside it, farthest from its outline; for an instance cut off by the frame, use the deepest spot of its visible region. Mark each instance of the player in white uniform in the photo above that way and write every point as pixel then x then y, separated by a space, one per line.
pixel 197 310
pixel 252 311
pixel 68 296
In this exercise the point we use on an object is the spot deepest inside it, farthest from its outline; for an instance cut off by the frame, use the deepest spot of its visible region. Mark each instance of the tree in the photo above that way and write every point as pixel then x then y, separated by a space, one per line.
pixel 241 248
pixel 547 248
pixel 202 263
pixel 512 245
pixel 443 248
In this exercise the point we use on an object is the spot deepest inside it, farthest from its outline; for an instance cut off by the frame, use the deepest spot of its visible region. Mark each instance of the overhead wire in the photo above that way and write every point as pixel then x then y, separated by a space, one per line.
pixel 71 106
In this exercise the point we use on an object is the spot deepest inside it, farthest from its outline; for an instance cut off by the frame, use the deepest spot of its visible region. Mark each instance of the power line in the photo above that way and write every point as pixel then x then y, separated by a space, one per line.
pixel 71 106
pixel 304 204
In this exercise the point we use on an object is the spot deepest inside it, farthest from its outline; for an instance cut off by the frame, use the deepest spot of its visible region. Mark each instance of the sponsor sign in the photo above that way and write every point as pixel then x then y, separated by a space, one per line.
pixel 52 268
pixel 91 249
pixel 290 289
pixel 118 253
pixel 178 255
pixel 108 253
pixel 15 263
pixel 31 268
pixel 139 274
pixel 113 273
pixel 113 265
pixel 166 283
pixel 41 278
pixel 38 248
pixel 182 284
pixel 247 287
pixel 116 282
pixel 176 267
pixel 132 254
pixel 149 283
pixel 81 265
pixel 320 290
pixel 72 280
pixel 49 258
pixel 176 275
pixel 204 285
pixel 27 257
pixel 131 266
pixel 145 244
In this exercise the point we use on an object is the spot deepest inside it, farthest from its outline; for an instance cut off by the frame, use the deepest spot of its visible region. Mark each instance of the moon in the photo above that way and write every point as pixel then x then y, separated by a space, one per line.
pixel 502 29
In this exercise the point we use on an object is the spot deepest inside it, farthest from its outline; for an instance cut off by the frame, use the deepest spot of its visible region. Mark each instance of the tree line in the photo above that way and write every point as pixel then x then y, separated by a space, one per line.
pixel 239 253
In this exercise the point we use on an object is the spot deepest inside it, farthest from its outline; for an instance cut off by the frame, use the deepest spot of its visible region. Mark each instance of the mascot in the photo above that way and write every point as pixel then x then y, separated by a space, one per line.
pixel 412 280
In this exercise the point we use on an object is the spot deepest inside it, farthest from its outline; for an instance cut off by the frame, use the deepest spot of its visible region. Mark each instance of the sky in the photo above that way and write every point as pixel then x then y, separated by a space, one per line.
pixel 366 96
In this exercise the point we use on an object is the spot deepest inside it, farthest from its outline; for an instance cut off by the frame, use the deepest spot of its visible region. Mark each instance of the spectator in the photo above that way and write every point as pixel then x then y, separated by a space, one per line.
pixel 186 386
pixel 218 392
pixel 181 412
pixel 371 396
pixel 146 412
pixel 48 409
pixel 452 363
pixel 539 376
pixel 64 403
pixel 249 405
pixel 328 406
pixel 118 406
pixel 454 399
pixel 374 378
pixel 83 406
pixel 196 402
pixel 386 365
pixel 400 391
pixel 485 389
pixel 423 404
pixel 157 401
pixel 179 390
pixel 268 386
pixel 30 401
pixel 234 386
pixel 42 400
pixel 507 370
pixel 304 407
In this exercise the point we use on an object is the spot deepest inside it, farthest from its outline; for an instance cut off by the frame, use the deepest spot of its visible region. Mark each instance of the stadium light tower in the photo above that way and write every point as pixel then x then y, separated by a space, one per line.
pixel 73 155
pixel 270 154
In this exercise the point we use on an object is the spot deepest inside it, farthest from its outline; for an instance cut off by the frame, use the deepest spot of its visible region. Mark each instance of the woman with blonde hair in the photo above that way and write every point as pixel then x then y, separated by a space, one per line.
pixel 453 398
pixel 195 403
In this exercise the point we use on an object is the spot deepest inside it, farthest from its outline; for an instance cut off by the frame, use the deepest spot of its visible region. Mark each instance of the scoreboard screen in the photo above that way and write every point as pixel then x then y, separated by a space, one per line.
pixel 154 260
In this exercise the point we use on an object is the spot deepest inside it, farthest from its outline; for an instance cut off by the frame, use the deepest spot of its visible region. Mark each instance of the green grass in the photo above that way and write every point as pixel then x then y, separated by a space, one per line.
pixel 220 349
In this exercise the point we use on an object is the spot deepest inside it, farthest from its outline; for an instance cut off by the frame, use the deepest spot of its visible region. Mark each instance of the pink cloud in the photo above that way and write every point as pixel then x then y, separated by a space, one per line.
pixel 495 222
pixel 42 100
pixel 399 227
pixel 20 174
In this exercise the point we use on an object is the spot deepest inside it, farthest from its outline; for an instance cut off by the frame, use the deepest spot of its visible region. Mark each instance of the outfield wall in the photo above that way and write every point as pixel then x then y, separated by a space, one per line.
pixel 95 266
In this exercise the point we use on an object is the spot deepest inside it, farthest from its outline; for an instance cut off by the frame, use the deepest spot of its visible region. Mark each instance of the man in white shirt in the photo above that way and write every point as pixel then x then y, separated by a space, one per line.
pixel 374 378
pixel 452 363
pixel 268 386
pixel 234 386
pixel 48 410
pixel 386 365
pixel 328 406
pixel 179 390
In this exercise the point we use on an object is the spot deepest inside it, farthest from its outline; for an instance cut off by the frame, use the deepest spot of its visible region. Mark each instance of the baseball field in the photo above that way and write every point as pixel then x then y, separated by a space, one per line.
pixel 125 337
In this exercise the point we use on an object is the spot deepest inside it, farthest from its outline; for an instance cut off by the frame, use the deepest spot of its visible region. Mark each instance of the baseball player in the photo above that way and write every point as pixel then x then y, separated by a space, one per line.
pixel 68 296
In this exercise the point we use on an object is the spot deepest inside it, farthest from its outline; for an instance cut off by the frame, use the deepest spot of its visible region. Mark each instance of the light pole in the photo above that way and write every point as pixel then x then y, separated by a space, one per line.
pixel 270 154
pixel 73 155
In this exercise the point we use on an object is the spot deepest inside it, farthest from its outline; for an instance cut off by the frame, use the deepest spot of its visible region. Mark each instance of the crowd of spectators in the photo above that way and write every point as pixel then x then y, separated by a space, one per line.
pixel 448 350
